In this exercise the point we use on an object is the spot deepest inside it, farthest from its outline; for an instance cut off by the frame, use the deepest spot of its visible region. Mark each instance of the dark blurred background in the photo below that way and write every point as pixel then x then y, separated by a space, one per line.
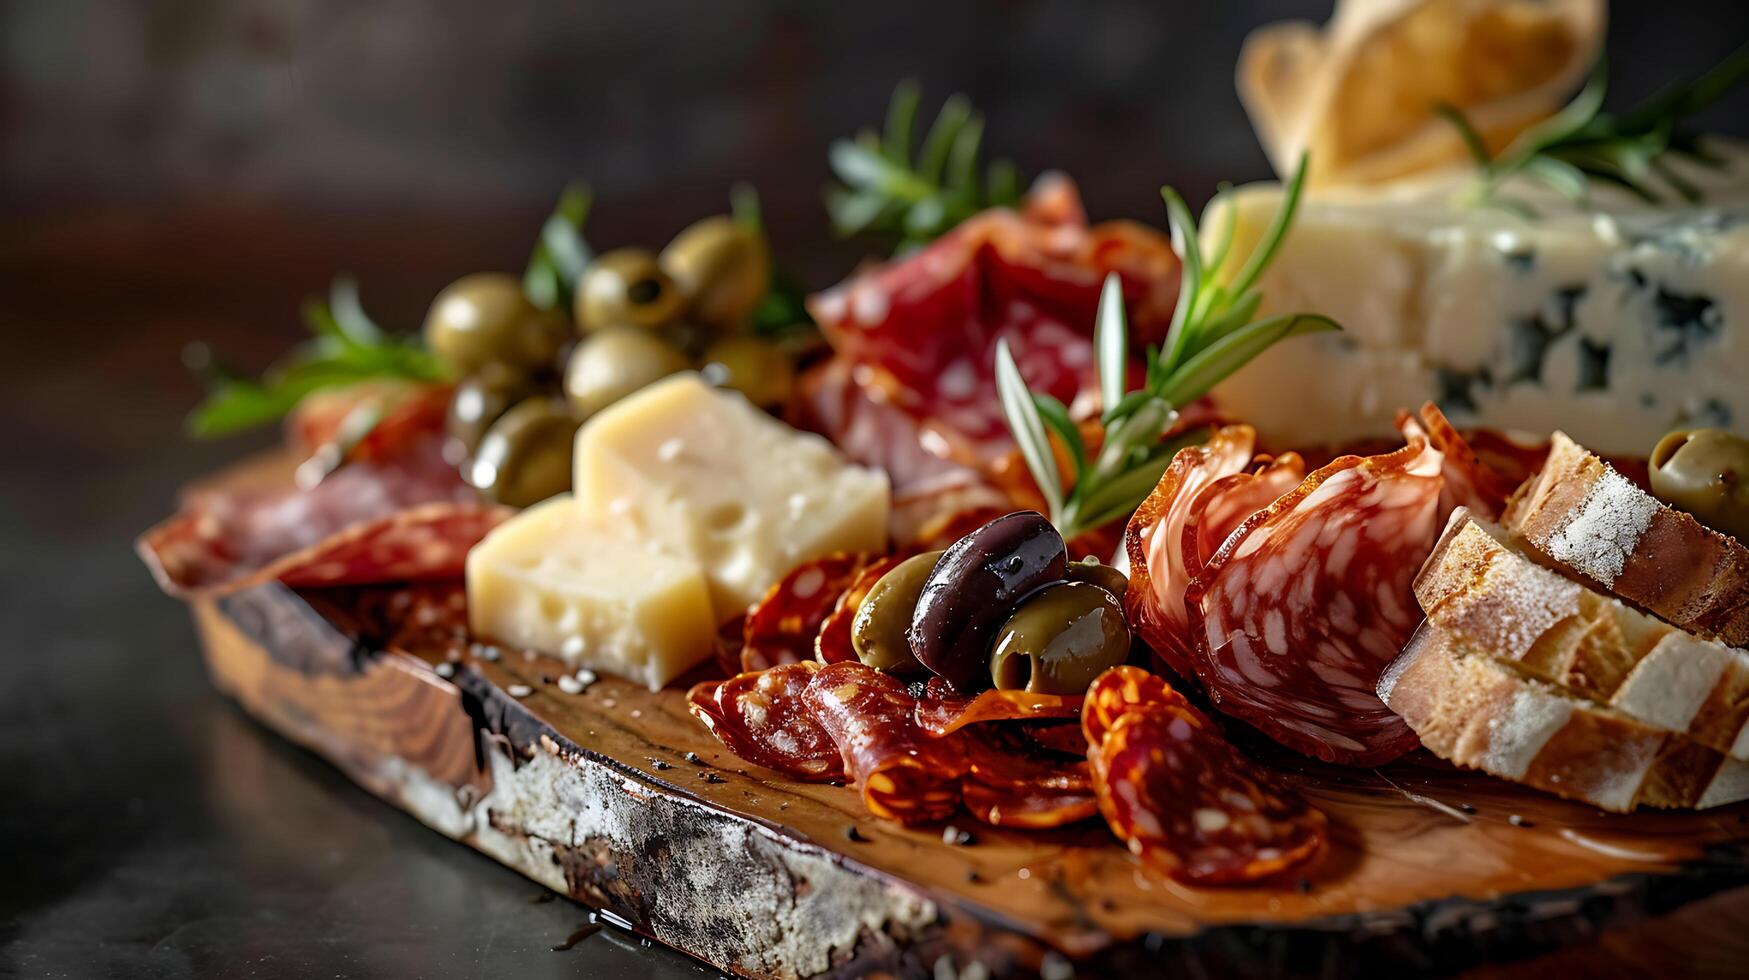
pixel 192 169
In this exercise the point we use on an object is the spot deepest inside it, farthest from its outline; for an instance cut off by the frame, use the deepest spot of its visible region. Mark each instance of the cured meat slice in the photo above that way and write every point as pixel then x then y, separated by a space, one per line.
pixel 762 717
pixel 363 524
pixel 832 644
pixel 941 710
pixel 1191 807
pixel 1470 481
pixel 1303 606
pixel 782 626
pixel 922 328
pixel 1154 542
pixel 905 774
pixel 1011 782
pixel 1118 692
pixel 1230 501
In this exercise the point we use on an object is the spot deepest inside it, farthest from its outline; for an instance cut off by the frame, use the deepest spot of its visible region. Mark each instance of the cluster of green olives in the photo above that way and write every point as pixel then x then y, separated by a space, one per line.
pixel 1706 473
pixel 1002 606
pixel 530 377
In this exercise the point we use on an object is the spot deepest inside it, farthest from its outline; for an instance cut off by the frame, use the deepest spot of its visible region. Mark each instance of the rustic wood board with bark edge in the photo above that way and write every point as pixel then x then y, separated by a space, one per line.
pixel 594 796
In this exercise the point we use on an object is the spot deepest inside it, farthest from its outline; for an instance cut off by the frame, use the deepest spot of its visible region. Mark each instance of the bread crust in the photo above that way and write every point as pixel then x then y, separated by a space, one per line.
pixel 1585 518
pixel 1482 588
pixel 1477 711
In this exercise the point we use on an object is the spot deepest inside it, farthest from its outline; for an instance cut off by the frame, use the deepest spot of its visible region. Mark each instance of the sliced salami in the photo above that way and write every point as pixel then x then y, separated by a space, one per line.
pixel 761 716
pixel 404 518
pixel 1154 542
pixel 1230 501
pixel 1470 481
pixel 1303 606
pixel 1191 807
pixel 833 642
pixel 941 710
pixel 782 626
pixel 1118 692
pixel 1011 782
pixel 905 774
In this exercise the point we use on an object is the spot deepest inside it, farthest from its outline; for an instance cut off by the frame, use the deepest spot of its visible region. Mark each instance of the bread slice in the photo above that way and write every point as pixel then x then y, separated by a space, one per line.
pixel 1478 586
pixel 1584 517
pixel 1477 711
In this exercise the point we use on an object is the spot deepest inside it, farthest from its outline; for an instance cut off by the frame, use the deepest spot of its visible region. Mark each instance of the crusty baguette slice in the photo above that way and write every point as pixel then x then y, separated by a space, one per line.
pixel 1588 519
pixel 1478 586
pixel 1477 711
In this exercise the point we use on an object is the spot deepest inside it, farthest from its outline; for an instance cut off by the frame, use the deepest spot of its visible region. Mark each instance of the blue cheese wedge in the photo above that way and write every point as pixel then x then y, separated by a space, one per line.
pixel 553 580
pixel 1616 324
pixel 705 475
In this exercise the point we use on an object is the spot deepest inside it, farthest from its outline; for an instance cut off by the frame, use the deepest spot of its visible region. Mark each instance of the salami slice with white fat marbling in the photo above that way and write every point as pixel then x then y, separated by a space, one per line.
pixel 1154 541
pixel 1303 606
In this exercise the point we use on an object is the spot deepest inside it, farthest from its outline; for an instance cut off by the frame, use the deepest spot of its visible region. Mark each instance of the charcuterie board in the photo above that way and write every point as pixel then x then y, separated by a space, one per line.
pixel 618 798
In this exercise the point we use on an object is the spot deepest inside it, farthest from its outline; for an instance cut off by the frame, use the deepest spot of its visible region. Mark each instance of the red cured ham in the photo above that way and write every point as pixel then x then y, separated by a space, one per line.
pixel 762 717
pixel 1181 797
pixel 402 515
pixel 905 774
pixel 912 386
pixel 1306 603
pixel 1154 602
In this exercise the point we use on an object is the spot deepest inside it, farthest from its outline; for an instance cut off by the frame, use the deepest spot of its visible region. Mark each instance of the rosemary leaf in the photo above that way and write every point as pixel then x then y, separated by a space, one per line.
pixel 1028 427
pixel 1111 343
pixel 1215 362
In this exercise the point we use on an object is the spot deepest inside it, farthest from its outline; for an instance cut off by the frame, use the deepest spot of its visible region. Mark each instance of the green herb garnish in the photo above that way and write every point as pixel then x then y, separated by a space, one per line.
pixel 1212 334
pixel 1582 143
pixel 913 199
pixel 347 347
pixel 561 253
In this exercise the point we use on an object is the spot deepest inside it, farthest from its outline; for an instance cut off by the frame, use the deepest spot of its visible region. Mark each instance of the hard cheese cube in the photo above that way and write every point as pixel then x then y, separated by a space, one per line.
pixel 711 477
pixel 555 580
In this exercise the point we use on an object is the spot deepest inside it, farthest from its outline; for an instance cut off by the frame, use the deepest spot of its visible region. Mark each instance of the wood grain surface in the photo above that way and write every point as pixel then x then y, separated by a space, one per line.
pixel 618 798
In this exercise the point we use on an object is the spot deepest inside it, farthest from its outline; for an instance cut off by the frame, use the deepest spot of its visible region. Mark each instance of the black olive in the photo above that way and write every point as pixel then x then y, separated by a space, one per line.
pixel 975 587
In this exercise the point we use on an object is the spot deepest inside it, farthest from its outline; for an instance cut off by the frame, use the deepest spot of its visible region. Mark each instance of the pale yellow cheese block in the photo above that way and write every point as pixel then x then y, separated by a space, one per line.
pixel 705 474
pixel 555 580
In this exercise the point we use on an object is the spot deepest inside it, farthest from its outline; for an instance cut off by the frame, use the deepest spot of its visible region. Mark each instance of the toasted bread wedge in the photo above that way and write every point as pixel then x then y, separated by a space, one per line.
pixel 1481 588
pixel 1590 521
pixel 1477 711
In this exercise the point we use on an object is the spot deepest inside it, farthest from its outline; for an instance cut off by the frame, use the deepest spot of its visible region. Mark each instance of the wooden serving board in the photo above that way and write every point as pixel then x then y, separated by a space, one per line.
pixel 617 798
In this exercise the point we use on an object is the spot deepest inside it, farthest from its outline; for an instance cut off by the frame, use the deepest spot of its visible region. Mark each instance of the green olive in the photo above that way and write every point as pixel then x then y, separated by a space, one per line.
pixel 525 457
pixel 878 632
pixel 1705 472
pixel 612 363
pixel 481 399
pixel 1095 572
pixel 485 318
pixel 754 367
pixel 722 267
pixel 1059 639
pixel 626 286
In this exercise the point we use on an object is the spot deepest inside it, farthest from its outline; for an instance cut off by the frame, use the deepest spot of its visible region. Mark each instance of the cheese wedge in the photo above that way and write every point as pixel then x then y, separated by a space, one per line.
pixel 710 477
pixel 1617 323
pixel 554 580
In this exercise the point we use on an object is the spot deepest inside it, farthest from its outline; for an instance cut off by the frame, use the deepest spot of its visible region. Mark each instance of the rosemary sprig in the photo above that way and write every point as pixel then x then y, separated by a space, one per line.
pixel 1212 334
pixel 1582 144
pixel 561 253
pixel 347 347
pixel 913 199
